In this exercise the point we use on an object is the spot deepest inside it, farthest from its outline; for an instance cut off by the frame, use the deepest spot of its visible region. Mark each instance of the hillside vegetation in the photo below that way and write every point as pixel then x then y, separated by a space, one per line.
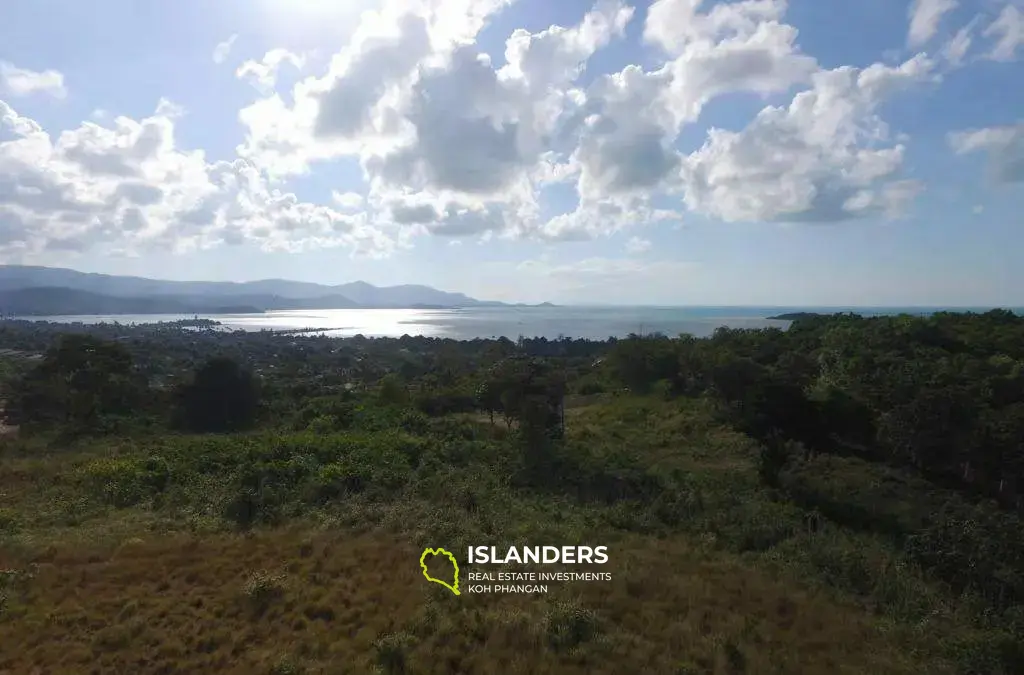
pixel 840 497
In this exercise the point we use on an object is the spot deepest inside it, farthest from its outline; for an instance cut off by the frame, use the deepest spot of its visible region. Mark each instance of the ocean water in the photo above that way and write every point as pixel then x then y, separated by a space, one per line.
pixel 597 323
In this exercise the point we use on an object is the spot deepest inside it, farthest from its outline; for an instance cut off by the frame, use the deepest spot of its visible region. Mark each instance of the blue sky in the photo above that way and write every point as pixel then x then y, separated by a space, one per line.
pixel 810 152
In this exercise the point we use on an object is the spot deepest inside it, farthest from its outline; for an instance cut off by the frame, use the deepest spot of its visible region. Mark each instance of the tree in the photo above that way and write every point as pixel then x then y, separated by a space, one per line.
pixel 222 396
pixel 488 397
pixel 640 361
pixel 81 384
pixel 527 391
pixel 393 391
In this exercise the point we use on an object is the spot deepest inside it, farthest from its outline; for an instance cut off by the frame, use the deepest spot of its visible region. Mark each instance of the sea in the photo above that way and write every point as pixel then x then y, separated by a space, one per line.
pixel 595 323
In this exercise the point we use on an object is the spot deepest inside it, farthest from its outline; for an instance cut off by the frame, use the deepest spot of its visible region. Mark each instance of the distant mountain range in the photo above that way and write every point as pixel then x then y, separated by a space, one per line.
pixel 48 291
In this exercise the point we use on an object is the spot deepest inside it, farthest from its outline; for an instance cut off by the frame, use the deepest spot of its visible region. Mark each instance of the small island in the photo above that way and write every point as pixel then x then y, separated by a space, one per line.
pixel 795 316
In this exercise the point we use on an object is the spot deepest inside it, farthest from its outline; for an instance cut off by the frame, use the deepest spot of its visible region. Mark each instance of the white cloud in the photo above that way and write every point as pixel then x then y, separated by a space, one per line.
pixel 333 115
pixel 676 25
pixel 627 137
pixel 263 73
pixel 925 17
pixel 596 218
pixel 127 186
pixel 627 142
pixel 432 120
pixel 956 49
pixel 22 82
pixel 1008 32
pixel 347 200
pixel 451 145
pixel 636 245
pixel 476 131
pixel 223 49
pixel 823 158
pixel 1003 145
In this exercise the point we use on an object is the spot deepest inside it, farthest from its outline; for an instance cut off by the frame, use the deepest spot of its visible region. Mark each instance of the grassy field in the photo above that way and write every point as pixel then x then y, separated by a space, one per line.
pixel 298 552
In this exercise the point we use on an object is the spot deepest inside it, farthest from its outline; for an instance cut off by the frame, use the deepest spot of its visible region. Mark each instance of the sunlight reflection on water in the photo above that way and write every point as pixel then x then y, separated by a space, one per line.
pixel 477 322
pixel 346 322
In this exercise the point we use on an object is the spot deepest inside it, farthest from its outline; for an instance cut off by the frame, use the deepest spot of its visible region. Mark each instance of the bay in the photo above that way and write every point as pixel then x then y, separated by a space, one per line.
pixel 596 323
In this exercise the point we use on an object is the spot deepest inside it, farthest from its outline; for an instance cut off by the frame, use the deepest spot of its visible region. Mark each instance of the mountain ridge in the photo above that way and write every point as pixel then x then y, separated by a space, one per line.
pixel 23 276
pixel 41 291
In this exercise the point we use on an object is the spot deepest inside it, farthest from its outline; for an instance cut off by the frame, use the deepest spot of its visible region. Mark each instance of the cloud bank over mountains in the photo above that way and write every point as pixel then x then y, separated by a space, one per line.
pixel 452 144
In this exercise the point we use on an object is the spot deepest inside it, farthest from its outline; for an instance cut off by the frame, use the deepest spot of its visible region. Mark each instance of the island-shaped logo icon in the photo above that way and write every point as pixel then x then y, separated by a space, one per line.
pixel 453 587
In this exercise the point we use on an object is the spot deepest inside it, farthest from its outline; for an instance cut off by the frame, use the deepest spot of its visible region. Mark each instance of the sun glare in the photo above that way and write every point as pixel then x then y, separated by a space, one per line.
pixel 332 7
pixel 313 21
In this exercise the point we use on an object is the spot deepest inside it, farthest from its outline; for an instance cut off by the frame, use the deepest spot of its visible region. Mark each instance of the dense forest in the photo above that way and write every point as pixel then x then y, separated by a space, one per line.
pixel 845 495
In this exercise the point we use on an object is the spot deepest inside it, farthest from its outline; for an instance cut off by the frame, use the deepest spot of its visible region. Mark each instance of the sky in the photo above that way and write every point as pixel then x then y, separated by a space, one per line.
pixel 672 152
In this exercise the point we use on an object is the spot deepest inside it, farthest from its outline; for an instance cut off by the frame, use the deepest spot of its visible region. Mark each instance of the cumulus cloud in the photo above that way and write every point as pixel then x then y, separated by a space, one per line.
pixel 23 82
pixel 263 73
pixel 129 186
pixel 628 128
pixel 477 131
pixel 453 144
pixel 925 17
pixel 1007 31
pixel 823 158
pixel 1003 145
pixel 347 200
pixel 223 49
pixel 596 218
pixel 627 142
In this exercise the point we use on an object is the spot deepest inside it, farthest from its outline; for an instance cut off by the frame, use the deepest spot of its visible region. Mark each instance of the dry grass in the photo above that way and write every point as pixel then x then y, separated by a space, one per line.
pixel 99 589
pixel 326 602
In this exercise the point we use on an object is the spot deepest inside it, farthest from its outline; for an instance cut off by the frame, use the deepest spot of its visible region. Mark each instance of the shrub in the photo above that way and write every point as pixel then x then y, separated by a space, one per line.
pixel 591 387
pixel 8 521
pixel 262 588
pixel 286 665
pixel 118 482
pixel 392 650
pixel 337 479
pixel 569 625
pixel 772 459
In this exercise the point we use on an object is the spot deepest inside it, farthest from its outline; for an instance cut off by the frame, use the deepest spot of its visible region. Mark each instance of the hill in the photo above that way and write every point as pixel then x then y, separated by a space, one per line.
pixel 795 316
pixel 271 293
pixel 50 301
pixel 47 301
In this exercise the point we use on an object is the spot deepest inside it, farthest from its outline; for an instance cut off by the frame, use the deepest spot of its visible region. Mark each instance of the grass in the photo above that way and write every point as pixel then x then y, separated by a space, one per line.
pixel 355 602
pixel 295 552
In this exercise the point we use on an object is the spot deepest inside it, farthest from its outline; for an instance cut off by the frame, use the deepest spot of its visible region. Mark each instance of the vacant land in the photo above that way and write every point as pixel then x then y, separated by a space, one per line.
pixel 139 543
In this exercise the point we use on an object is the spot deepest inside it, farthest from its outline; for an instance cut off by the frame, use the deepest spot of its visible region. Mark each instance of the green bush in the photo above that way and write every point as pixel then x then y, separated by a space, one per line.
pixel 8 521
pixel 995 653
pixel 126 482
pixel 262 588
pixel 568 625
pixel 392 652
